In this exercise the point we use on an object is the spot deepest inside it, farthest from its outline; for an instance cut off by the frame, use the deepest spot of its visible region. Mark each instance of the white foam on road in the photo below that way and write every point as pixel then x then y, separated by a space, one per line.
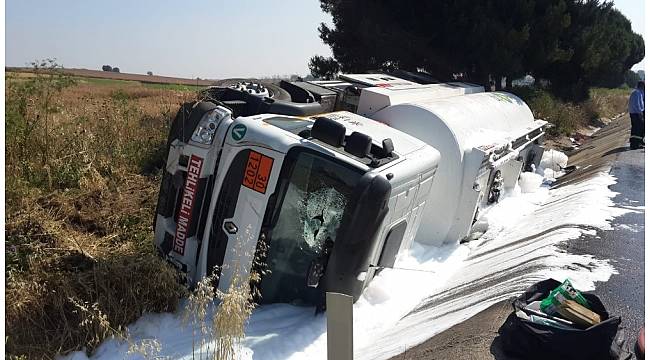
pixel 519 248
pixel 634 228
pixel 529 182
pixel 554 160
pixel 431 289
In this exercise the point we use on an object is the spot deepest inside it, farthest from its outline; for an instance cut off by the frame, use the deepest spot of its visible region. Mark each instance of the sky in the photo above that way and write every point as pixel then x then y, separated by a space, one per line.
pixel 199 38
pixel 204 38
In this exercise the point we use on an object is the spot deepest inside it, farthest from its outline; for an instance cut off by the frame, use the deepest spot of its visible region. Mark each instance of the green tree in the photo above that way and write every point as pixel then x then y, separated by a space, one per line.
pixel 445 38
pixel 631 78
pixel 641 74
pixel 324 68
pixel 603 48
pixel 573 43
pixel 549 22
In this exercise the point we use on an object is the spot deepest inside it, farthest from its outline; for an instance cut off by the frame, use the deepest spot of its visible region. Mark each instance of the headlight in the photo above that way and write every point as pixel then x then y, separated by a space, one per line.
pixel 204 132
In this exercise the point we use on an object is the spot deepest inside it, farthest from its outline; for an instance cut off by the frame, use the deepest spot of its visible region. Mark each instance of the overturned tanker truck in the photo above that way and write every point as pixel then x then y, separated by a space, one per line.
pixel 325 187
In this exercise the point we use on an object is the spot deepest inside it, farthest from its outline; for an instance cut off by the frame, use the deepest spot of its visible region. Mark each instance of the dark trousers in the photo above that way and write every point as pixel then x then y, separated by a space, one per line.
pixel 638 130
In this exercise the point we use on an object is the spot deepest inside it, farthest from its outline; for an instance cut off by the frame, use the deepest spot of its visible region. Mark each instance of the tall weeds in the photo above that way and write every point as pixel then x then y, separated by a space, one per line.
pixel 217 334
pixel 82 175
pixel 83 162
pixel 568 117
pixel 231 317
pixel 30 108
pixel 54 137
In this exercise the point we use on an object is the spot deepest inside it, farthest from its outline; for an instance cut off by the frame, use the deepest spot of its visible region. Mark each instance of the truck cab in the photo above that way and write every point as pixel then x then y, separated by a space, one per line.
pixel 310 203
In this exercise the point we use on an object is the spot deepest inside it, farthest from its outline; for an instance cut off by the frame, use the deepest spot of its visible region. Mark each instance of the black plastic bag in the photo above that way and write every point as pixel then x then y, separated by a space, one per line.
pixel 529 340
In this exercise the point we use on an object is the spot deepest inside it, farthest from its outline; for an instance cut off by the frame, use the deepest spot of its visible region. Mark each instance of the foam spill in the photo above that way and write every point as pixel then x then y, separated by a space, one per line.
pixel 519 248
pixel 553 159
pixel 430 289
pixel 530 182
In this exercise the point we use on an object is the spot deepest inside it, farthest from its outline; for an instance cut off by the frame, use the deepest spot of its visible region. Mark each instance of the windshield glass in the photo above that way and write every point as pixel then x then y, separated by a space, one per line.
pixel 316 194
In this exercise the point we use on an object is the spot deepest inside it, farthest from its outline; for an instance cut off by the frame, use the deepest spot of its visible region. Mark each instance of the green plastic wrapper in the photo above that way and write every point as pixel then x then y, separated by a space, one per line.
pixel 564 292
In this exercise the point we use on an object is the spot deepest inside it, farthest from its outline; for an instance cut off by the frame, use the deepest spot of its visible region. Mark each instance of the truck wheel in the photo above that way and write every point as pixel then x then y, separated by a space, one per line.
pixel 277 92
pixel 212 94
pixel 236 106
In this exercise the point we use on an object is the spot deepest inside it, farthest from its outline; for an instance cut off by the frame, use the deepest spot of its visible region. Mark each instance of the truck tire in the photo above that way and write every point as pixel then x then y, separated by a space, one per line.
pixel 277 92
pixel 212 94
pixel 236 106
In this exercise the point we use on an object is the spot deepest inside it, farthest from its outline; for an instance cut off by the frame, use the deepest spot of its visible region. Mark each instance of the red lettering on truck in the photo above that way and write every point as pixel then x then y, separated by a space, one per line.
pixel 187 203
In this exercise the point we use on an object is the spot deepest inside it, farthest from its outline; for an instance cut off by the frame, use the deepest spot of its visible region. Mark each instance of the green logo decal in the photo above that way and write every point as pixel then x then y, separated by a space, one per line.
pixel 238 132
pixel 501 97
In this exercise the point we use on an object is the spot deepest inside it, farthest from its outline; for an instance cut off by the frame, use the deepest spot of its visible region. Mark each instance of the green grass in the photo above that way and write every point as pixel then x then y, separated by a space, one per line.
pixel 157 86
pixel 176 87
pixel 104 82
pixel 23 76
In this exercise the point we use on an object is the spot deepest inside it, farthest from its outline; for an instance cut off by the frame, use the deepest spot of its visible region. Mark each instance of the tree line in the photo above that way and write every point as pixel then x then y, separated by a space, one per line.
pixel 110 68
pixel 572 44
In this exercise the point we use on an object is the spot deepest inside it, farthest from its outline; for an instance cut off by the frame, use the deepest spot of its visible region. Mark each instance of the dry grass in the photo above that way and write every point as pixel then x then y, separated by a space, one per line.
pixel 62 263
pixel 231 317
pixel 606 103
pixel 82 163
pixel 217 335
pixel 83 159
pixel 568 117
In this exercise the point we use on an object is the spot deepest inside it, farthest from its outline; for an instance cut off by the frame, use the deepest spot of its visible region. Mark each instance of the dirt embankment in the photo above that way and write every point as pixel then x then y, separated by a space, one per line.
pixel 155 79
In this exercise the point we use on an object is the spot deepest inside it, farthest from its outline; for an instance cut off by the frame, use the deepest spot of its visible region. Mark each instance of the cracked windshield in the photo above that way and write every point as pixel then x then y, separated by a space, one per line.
pixel 315 200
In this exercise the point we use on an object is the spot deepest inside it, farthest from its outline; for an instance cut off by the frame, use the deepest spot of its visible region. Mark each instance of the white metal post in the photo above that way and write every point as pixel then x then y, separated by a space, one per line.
pixel 339 326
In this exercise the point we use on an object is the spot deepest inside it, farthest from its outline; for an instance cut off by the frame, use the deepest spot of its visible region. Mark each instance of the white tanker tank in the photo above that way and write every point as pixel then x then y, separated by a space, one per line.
pixel 485 140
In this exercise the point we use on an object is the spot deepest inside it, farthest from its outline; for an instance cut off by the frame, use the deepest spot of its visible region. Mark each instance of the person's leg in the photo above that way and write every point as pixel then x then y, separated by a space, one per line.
pixel 632 132
pixel 642 128
pixel 636 134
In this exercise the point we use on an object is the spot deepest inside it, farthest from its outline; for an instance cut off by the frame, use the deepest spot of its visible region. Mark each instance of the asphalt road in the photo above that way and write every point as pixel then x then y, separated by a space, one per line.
pixel 624 246
pixel 477 337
